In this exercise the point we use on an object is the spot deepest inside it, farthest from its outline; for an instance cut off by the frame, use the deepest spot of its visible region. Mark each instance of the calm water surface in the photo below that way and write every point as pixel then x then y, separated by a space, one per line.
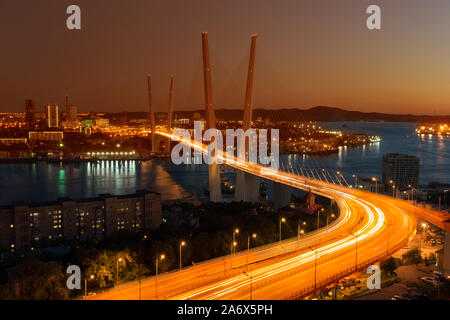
pixel 47 181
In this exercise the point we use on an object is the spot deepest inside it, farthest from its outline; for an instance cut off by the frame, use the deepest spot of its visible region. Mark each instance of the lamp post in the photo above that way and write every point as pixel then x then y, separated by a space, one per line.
pixel 162 257
pixel 332 216
pixel 182 244
pixel 251 280
pixel 356 251
pixel 85 284
pixel 235 232
pixel 376 184
pixel 282 220
pixel 315 266
pixel 318 218
pixel 356 180
pixel 393 188
pixel 232 248
pixel 248 245
pixel 389 234
pixel 117 270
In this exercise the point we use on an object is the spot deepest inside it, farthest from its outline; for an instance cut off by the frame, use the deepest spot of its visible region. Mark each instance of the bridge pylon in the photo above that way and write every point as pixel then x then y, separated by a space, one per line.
pixel 247 185
pixel 170 112
pixel 151 115
pixel 215 190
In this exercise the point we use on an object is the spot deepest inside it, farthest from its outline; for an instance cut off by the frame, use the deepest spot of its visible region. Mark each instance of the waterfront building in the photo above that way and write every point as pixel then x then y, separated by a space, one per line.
pixel 46 136
pixel 29 112
pixel 24 226
pixel 14 151
pixel 401 170
pixel 52 114
pixel 102 122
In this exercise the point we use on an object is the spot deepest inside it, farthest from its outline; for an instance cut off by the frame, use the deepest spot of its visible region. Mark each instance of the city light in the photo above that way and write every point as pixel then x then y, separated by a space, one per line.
pixel 68 165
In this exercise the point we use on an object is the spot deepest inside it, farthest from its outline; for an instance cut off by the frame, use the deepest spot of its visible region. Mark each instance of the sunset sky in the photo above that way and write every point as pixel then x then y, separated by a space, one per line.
pixel 309 53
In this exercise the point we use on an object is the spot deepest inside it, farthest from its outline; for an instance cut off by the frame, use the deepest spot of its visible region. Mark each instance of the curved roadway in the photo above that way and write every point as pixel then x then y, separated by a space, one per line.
pixel 370 227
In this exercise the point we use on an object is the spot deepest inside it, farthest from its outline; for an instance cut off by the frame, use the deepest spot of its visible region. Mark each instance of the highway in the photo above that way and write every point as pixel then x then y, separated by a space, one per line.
pixel 370 227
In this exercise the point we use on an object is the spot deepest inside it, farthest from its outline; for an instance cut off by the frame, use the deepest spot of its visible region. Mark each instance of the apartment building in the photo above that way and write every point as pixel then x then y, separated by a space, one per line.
pixel 25 226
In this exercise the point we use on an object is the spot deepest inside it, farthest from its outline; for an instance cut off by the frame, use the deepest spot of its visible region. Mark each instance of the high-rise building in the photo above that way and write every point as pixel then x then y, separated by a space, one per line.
pixel 401 170
pixel 52 115
pixel 71 113
pixel 29 111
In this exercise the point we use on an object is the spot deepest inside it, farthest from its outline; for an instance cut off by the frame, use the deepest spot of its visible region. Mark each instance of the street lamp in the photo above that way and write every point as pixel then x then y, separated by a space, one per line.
pixel 162 257
pixel 412 192
pixel 250 278
pixel 356 251
pixel 376 184
pixel 318 217
pixel 235 232
pixel 391 182
pixel 182 244
pixel 300 231
pixel 117 270
pixel 248 245
pixel 315 266
pixel 233 245
pixel 389 234
pixel 85 284
pixel 356 180
pixel 282 220
pixel 232 248
pixel 332 216
pixel 424 228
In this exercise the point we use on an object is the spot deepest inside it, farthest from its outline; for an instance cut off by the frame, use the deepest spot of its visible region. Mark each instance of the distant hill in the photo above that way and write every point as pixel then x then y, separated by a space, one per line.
pixel 313 114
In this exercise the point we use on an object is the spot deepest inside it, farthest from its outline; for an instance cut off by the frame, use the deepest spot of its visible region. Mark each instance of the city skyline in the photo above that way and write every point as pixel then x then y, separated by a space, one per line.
pixel 211 150
pixel 308 55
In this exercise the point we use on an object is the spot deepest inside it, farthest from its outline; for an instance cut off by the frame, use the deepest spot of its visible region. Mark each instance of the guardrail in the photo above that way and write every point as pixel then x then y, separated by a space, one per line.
pixel 240 254
pixel 323 283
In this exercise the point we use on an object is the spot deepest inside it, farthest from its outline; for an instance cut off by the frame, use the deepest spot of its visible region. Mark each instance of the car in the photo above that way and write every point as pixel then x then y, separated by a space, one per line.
pixel 397 297
pixel 438 273
pixel 429 280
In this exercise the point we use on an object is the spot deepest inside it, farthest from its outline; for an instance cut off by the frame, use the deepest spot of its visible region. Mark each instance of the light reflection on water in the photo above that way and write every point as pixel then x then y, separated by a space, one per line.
pixel 47 181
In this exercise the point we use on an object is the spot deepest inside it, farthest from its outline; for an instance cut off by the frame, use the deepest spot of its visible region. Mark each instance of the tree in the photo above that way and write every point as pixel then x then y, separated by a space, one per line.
pixel 105 264
pixel 389 266
pixel 35 280
pixel 413 256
